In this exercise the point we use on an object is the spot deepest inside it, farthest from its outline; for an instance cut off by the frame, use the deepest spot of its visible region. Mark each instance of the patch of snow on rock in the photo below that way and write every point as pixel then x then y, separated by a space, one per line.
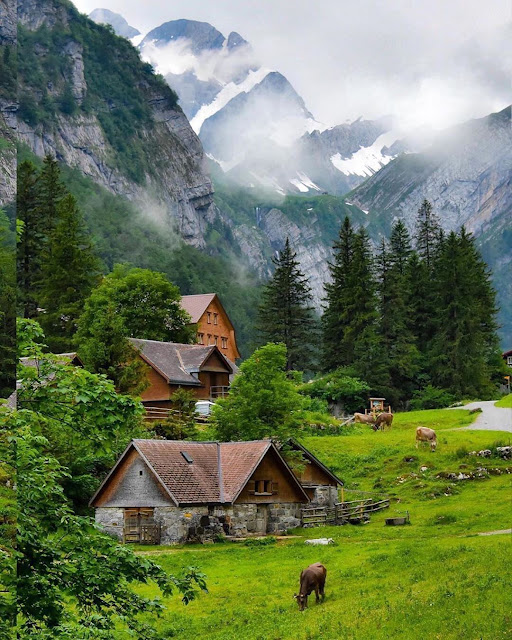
pixel 367 160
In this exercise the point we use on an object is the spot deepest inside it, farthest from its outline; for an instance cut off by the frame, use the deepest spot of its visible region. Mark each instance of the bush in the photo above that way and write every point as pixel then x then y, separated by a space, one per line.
pixel 338 387
pixel 431 398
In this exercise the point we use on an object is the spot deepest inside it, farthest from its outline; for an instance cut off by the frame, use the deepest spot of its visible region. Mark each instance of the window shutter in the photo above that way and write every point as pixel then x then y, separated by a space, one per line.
pixel 274 488
pixel 251 486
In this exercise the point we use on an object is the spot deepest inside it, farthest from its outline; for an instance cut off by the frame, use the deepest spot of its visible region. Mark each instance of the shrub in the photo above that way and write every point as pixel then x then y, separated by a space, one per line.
pixel 431 398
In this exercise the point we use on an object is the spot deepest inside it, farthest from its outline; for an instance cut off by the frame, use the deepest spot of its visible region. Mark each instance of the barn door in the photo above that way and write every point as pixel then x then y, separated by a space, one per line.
pixel 139 526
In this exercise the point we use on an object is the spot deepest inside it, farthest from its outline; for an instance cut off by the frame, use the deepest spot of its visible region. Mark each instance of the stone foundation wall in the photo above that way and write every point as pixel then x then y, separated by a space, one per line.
pixel 111 520
pixel 203 523
pixel 325 496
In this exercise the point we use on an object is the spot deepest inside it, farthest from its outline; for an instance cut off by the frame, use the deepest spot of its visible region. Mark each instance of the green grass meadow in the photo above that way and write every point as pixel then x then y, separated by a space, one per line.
pixel 505 402
pixel 435 578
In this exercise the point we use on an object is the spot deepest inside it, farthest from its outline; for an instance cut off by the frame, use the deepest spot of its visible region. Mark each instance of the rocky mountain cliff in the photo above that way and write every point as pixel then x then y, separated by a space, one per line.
pixel 104 112
pixel 8 100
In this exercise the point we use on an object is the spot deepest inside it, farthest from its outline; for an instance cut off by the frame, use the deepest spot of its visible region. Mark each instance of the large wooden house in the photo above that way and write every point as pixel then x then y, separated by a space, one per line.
pixel 166 491
pixel 204 370
pixel 213 324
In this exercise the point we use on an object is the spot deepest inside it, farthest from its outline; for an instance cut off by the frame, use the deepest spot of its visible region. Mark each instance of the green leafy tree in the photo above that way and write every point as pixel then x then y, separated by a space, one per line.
pixel 263 402
pixel 108 351
pixel 335 319
pixel 73 580
pixel 69 272
pixel 89 423
pixel 340 387
pixel 285 314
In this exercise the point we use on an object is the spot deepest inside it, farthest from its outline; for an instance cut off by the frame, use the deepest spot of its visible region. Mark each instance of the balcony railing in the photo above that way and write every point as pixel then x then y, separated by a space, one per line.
pixel 218 392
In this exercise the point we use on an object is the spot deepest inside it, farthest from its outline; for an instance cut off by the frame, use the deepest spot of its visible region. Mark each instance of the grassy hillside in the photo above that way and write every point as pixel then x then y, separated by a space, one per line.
pixel 433 579
pixel 506 402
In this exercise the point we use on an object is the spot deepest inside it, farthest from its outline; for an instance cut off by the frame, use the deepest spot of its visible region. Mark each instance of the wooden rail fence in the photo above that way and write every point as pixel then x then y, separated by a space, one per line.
pixel 342 512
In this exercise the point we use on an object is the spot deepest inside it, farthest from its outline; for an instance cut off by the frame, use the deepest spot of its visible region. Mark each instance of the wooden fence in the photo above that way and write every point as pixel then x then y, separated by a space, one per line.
pixel 342 512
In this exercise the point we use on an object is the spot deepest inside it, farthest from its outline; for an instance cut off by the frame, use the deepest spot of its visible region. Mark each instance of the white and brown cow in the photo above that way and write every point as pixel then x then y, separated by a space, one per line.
pixel 424 434
pixel 384 420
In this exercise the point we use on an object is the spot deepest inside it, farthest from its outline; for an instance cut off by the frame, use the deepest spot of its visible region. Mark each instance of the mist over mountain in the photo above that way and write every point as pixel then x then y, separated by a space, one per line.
pixel 115 20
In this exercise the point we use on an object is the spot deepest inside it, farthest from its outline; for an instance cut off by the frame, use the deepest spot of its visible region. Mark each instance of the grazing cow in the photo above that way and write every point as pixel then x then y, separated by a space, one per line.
pixel 365 419
pixel 384 419
pixel 424 434
pixel 311 579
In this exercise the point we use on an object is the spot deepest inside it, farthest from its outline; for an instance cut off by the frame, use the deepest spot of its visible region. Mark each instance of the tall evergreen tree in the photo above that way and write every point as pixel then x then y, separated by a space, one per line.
pixel 50 192
pixel 69 272
pixel 335 319
pixel 31 239
pixel 463 351
pixel 360 338
pixel 428 231
pixel 395 332
pixel 285 314
pixel 7 308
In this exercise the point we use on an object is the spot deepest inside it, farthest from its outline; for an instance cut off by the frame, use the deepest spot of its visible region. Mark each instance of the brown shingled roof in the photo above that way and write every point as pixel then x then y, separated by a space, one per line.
pixel 177 362
pixel 217 474
pixel 196 305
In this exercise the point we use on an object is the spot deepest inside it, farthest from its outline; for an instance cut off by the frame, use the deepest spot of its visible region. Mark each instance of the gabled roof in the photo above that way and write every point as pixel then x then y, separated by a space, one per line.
pixel 217 474
pixel 314 460
pixel 62 358
pixel 507 353
pixel 177 362
pixel 196 305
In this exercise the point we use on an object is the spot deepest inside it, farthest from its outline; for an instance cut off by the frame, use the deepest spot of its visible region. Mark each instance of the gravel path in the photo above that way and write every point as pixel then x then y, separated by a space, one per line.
pixel 495 533
pixel 492 418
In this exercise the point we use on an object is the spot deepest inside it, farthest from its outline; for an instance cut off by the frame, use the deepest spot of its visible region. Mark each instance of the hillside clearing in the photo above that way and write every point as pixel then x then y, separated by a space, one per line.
pixel 431 579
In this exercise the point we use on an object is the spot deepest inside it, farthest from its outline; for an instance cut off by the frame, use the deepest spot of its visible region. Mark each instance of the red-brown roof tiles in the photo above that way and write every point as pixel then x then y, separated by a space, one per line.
pixel 196 305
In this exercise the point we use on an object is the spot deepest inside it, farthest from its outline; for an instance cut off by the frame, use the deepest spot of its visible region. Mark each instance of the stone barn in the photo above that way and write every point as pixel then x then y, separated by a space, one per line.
pixel 167 491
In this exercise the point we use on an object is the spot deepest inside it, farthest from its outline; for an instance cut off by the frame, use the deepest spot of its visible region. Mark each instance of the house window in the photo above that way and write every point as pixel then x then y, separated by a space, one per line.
pixel 200 338
pixel 209 338
pixel 216 338
pixel 509 361
pixel 263 487
pixel 224 343
pixel 208 317
pixel 215 318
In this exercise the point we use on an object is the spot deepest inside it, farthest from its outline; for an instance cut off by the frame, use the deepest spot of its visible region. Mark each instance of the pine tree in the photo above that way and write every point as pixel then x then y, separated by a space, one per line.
pixel 69 272
pixel 428 232
pixel 285 314
pixel 31 239
pixel 334 319
pixel 397 339
pixel 464 348
pixel 50 192
pixel 361 342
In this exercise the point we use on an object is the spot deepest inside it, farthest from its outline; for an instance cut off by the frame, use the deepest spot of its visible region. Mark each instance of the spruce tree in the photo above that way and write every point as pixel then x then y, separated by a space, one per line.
pixel 428 232
pixel 395 332
pixel 335 319
pixel 50 192
pixel 30 241
pixel 463 351
pixel 285 314
pixel 69 272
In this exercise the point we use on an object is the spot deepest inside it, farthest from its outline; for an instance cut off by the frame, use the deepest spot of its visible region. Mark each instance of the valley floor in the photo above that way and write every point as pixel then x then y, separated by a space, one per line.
pixel 434 579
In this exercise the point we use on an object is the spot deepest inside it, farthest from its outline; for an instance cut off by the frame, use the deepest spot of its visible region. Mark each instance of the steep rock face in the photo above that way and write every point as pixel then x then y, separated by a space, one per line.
pixel 466 175
pixel 8 101
pixel 200 34
pixel 175 186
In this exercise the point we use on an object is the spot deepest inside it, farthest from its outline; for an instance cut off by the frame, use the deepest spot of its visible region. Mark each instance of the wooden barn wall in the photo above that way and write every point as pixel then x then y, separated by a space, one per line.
pixel 313 474
pixel 224 328
pixel 271 468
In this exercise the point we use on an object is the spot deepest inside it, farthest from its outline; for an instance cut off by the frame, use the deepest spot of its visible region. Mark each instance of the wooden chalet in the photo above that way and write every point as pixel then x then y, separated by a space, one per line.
pixel 213 324
pixel 167 491
pixel 204 370
pixel 507 356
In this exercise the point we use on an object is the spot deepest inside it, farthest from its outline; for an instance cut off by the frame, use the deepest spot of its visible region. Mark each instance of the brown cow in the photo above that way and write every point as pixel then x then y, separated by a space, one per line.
pixel 424 434
pixel 365 419
pixel 311 579
pixel 384 419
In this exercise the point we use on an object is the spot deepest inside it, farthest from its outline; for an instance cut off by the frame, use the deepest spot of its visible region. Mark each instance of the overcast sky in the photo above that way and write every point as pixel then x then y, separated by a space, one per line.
pixel 432 61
